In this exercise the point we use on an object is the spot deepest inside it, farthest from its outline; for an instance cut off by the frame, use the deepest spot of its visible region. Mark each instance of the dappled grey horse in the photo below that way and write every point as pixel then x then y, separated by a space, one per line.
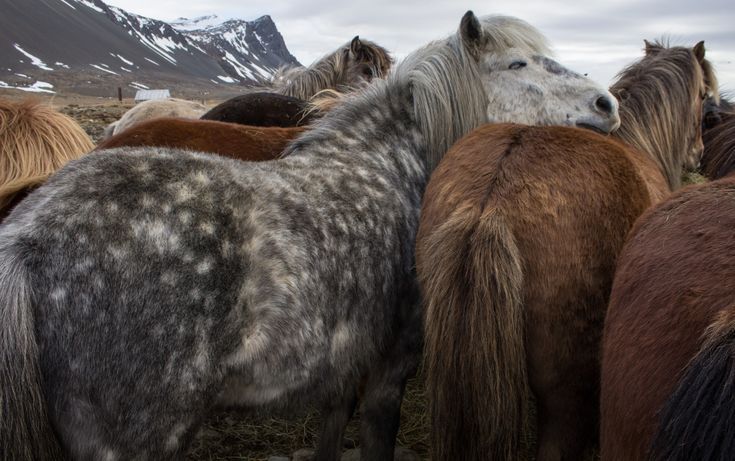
pixel 141 287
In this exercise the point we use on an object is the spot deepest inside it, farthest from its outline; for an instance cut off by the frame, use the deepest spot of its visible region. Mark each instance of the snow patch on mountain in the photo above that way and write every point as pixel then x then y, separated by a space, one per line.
pixel 34 60
pixel 202 22
pixel 103 69
pixel 37 87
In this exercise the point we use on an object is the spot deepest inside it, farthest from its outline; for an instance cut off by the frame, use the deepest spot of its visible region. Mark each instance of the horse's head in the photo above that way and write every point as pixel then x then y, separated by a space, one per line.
pixel 661 99
pixel 524 85
pixel 702 88
pixel 364 61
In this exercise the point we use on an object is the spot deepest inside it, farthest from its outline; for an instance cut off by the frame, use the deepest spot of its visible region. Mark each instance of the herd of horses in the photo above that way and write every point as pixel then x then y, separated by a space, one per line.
pixel 479 207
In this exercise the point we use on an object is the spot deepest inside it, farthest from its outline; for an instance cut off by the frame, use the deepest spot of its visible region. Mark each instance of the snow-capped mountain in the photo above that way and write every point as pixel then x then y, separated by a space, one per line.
pixel 247 50
pixel 85 44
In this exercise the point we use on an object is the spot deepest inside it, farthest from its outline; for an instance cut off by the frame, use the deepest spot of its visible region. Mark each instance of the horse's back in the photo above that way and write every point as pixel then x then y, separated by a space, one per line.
pixel 545 179
pixel 147 110
pixel 672 283
pixel 226 139
pixel 262 109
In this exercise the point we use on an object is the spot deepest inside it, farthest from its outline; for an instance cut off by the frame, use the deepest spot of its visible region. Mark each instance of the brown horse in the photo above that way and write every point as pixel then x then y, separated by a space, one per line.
pixel 348 67
pixel 718 159
pixel 263 109
pixel 35 141
pixel 671 320
pixel 285 102
pixel 520 230
pixel 227 139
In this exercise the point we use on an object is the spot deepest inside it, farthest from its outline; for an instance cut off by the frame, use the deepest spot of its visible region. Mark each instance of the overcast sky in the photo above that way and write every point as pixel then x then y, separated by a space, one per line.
pixel 598 38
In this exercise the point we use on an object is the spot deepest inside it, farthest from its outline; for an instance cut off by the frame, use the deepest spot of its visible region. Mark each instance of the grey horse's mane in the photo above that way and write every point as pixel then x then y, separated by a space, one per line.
pixel 331 71
pixel 444 81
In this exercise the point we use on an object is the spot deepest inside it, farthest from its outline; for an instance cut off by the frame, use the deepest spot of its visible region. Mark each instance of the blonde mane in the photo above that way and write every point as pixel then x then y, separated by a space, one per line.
pixel 35 141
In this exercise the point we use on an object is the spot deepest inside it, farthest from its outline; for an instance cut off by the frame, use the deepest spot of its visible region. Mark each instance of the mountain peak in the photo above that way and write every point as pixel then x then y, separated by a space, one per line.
pixel 198 23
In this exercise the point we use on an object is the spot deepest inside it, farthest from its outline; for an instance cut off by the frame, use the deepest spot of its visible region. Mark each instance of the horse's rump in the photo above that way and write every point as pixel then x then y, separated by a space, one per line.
pixel 226 139
pixel 671 285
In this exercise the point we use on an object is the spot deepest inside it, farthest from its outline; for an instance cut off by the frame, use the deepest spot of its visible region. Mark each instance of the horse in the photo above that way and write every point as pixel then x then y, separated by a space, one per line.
pixel 263 109
pixel 142 287
pixel 146 110
pixel 668 388
pixel 35 141
pixel 284 102
pixel 227 139
pixel 348 67
pixel 520 229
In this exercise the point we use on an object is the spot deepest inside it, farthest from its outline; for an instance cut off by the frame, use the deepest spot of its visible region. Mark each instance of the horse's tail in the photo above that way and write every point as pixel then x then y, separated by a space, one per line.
pixel 698 420
pixel 25 430
pixel 475 356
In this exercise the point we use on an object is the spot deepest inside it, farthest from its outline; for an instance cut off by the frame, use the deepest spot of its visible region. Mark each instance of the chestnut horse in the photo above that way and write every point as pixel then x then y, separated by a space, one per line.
pixel 35 141
pixel 520 229
pixel 227 139
pixel 668 364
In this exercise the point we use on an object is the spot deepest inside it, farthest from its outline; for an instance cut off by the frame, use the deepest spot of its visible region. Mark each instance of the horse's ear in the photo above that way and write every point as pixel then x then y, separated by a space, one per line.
pixel 699 51
pixel 355 46
pixel 470 30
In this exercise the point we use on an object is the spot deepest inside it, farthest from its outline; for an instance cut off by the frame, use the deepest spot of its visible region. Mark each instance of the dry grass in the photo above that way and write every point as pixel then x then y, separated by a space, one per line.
pixel 692 177
pixel 229 435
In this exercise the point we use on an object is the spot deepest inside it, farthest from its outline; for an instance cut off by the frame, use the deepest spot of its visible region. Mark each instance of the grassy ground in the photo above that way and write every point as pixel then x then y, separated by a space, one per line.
pixel 232 436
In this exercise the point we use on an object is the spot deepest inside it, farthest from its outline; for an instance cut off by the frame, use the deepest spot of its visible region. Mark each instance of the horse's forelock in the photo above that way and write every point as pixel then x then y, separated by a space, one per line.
pixel 507 32
pixel 655 93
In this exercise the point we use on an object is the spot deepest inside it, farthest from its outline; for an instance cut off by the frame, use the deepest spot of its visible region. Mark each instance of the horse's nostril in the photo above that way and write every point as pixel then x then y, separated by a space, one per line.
pixel 604 105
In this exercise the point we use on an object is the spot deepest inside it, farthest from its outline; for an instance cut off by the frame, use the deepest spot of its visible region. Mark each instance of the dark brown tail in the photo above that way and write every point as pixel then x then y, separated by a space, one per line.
pixel 698 420
pixel 474 350
pixel 25 431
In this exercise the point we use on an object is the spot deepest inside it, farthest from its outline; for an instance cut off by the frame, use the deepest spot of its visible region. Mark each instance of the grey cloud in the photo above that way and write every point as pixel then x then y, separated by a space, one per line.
pixel 598 38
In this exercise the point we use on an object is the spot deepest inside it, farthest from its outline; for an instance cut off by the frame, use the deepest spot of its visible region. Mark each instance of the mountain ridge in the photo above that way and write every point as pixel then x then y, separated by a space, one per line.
pixel 82 45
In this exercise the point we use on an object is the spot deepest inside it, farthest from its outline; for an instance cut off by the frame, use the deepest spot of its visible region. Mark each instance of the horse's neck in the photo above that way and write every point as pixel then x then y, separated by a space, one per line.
pixel 310 81
pixel 380 131
pixel 654 140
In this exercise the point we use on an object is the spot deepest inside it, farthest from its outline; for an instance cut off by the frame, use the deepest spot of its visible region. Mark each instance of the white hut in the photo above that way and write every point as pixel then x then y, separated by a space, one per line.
pixel 149 95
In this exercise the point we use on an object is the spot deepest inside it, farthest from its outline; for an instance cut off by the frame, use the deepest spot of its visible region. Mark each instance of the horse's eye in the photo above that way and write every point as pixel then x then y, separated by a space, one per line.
pixel 516 65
